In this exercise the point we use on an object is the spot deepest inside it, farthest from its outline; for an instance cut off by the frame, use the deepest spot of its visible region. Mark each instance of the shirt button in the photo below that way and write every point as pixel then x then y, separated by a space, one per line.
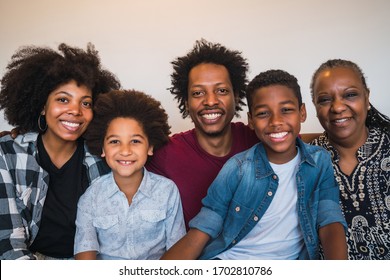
pixel 255 218
pixel 237 209
pixel 234 242
pixel 274 177
pixel 269 193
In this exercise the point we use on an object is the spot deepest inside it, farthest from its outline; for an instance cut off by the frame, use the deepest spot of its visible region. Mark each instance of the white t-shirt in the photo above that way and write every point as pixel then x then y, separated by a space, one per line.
pixel 277 236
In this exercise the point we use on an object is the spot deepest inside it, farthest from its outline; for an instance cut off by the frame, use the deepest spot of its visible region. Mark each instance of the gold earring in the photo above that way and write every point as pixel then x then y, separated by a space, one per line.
pixel 42 124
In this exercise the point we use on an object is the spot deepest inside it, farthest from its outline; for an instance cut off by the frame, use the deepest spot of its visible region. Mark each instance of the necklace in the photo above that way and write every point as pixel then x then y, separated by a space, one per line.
pixel 348 189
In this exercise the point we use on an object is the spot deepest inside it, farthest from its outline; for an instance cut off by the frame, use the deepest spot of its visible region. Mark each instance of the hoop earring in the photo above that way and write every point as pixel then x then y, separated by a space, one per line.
pixel 42 125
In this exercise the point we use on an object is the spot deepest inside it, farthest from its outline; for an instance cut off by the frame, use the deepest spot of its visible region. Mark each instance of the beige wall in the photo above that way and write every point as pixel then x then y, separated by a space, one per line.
pixel 137 39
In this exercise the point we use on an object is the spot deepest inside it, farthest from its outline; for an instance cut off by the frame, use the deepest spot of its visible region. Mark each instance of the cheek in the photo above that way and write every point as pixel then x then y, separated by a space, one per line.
pixel 322 112
pixel 88 115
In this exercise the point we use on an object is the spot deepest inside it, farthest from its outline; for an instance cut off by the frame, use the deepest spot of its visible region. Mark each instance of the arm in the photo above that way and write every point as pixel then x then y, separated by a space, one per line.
pixel 90 255
pixel 86 242
pixel 13 236
pixel 174 223
pixel 332 238
pixel 189 247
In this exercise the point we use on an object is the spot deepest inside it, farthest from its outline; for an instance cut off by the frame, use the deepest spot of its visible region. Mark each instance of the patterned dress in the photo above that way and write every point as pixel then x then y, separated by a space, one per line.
pixel 365 196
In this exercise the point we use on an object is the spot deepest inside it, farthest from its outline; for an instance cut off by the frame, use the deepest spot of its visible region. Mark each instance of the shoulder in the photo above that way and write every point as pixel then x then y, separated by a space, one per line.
pixel 321 140
pixel 315 154
pixel 99 186
pixel 159 180
pixel 246 156
pixel 25 144
pixel 160 187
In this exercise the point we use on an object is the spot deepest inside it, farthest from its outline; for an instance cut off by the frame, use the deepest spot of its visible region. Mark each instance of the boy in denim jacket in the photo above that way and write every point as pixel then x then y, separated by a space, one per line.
pixel 277 200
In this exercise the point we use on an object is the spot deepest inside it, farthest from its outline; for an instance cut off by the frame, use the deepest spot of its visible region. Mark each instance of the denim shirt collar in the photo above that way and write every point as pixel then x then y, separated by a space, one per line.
pixel 262 161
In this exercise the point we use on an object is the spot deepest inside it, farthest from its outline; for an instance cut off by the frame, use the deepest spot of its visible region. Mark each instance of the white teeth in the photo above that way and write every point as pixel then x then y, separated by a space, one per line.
pixel 340 120
pixel 278 135
pixel 125 162
pixel 71 124
pixel 211 116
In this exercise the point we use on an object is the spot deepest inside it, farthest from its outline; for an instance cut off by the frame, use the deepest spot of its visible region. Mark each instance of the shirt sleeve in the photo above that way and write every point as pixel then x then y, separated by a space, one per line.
pixel 86 236
pixel 14 238
pixel 212 215
pixel 174 224
pixel 329 210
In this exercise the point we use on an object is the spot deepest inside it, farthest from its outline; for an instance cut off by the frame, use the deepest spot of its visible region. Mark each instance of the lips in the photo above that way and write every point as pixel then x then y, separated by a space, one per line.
pixel 340 122
pixel 71 125
pixel 125 162
pixel 211 116
pixel 278 135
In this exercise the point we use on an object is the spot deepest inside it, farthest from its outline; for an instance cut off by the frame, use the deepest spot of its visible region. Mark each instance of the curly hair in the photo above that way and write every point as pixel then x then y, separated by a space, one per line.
pixel 374 117
pixel 270 78
pixel 206 52
pixel 127 104
pixel 34 72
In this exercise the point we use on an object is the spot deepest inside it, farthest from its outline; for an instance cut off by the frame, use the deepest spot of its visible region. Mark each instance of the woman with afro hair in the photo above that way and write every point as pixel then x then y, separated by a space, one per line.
pixel 48 95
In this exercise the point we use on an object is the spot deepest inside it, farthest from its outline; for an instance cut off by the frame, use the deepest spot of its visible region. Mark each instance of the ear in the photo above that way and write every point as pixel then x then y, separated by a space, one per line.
pixel 150 150
pixel 368 98
pixel 250 121
pixel 302 112
pixel 103 154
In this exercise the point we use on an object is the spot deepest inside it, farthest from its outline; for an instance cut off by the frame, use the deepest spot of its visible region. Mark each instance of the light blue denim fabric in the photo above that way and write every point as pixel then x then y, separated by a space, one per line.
pixel 244 188
pixel 143 230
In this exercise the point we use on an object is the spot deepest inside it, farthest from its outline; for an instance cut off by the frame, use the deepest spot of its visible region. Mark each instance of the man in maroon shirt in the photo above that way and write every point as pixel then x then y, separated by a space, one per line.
pixel 209 84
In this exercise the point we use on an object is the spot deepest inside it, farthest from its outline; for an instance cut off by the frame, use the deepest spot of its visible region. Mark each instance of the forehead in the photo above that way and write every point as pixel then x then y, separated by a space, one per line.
pixel 208 73
pixel 124 125
pixel 339 74
pixel 274 94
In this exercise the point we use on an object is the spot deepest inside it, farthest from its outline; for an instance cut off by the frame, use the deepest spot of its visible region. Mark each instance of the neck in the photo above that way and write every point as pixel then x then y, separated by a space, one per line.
pixel 217 145
pixel 129 184
pixel 349 145
pixel 58 150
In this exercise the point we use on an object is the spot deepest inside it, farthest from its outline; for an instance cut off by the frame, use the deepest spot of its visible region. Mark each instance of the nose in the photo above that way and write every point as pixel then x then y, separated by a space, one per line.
pixel 74 108
pixel 125 150
pixel 337 106
pixel 210 99
pixel 276 120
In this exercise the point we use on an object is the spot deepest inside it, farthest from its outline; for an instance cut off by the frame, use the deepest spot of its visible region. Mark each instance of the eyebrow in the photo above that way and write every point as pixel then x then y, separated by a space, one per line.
pixel 134 135
pixel 280 103
pixel 71 95
pixel 217 84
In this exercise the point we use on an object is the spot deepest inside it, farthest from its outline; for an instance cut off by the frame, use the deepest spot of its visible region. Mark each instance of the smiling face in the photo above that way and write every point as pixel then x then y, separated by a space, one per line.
pixel 211 101
pixel 68 112
pixel 341 102
pixel 276 118
pixel 126 149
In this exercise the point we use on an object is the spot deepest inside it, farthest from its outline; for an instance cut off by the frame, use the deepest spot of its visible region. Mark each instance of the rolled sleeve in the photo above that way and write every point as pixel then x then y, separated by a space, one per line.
pixel 207 221
pixel 331 214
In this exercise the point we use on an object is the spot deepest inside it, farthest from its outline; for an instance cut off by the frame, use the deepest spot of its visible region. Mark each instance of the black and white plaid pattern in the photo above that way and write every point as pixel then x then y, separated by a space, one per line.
pixel 23 188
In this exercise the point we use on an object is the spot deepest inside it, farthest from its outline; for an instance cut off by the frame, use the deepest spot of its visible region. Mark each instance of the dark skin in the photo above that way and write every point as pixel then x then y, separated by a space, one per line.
pixel 306 137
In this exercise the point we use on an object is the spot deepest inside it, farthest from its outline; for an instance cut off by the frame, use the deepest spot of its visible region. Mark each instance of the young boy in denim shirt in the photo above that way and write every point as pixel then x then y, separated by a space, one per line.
pixel 277 200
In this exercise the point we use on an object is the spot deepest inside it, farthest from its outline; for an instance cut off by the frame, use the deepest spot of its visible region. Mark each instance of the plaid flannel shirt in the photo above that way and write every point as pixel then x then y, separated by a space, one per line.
pixel 23 188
